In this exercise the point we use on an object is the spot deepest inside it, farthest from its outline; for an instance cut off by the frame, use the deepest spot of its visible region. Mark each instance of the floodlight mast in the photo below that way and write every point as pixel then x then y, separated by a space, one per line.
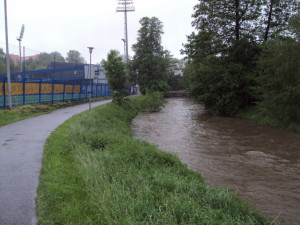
pixel 20 39
pixel 125 6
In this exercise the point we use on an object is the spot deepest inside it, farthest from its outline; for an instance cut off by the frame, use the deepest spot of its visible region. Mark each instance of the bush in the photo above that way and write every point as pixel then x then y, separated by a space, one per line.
pixel 152 102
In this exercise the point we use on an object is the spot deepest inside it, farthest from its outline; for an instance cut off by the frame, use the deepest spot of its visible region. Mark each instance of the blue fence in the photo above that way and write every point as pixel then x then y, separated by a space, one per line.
pixel 42 91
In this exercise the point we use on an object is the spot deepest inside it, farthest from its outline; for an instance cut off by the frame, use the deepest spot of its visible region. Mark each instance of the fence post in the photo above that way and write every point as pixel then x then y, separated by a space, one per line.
pixel 97 89
pixel 72 90
pixel 4 93
pixel 86 89
pixel 92 89
pixel 79 97
pixel 64 91
pixel 24 89
pixel 52 95
pixel 40 90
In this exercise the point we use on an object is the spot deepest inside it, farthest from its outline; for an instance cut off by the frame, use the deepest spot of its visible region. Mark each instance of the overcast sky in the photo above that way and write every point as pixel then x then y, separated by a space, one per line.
pixel 62 25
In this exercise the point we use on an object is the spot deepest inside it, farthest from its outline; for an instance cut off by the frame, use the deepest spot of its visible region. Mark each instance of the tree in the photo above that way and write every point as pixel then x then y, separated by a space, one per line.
pixel 222 54
pixel 279 80
pixel 2 62
pixel 115 70
pixel 276 16
pixel 44 59
pixel 175 79
pixel 150 62
pixel 58 57
pixel 74 56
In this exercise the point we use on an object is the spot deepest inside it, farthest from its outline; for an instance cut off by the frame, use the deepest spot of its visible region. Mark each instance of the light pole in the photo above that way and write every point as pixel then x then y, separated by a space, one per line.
pixel 7 58
pixel 125 56
pixel 90 50
pixel 20 40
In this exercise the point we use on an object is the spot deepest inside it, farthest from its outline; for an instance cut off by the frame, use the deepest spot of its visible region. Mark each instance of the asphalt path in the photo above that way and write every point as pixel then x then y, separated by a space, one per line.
pixel 21 151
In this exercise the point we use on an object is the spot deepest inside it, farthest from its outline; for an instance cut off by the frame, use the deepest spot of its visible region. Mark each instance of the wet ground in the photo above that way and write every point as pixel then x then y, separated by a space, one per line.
pixel 260 163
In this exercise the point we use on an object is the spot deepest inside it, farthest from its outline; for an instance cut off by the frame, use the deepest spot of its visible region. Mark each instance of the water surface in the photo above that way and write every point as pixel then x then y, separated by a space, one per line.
pixel 260 163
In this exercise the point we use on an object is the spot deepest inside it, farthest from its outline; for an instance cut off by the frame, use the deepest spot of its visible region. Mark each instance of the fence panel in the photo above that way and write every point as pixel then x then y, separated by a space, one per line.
pixel 43 91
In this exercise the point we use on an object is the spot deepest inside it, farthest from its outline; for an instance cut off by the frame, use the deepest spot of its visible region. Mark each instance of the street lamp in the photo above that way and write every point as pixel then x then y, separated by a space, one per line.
pixel 90 50
pixel 7 58
pixel 20 39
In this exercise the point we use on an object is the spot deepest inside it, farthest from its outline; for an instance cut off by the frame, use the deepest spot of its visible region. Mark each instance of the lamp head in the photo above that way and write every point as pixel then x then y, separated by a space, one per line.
pixel 91 49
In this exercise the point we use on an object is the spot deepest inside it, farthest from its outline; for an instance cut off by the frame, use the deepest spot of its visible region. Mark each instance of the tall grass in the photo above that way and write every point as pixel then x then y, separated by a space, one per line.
pixel 94 172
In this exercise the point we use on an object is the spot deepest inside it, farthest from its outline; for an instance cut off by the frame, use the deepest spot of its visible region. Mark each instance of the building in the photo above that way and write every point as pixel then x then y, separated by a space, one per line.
pixel 63 71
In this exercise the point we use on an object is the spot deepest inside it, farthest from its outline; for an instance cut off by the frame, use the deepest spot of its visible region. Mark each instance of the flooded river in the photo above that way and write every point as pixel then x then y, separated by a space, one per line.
pixel 260 163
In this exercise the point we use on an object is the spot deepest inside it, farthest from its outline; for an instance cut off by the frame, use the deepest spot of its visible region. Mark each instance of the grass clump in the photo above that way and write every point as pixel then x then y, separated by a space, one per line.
pixel 94 172
pixel 151 102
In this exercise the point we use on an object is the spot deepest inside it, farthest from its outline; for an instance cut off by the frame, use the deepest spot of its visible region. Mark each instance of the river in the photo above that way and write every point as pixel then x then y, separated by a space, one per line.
pixel 261 164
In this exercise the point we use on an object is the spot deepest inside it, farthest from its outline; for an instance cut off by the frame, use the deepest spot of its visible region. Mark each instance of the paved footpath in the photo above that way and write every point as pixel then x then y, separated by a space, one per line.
pixel 21 151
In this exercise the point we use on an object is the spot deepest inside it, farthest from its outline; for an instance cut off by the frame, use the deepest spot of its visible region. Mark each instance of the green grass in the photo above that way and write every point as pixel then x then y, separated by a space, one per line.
pixel 94 172
pixel 26 111
pixel 262 117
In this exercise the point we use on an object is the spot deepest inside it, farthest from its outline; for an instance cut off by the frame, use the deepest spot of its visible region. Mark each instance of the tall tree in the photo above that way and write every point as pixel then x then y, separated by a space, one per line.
pixel 74 56
pixel 222 54
pixel 151 61
pixel 222 23
pixel 115 70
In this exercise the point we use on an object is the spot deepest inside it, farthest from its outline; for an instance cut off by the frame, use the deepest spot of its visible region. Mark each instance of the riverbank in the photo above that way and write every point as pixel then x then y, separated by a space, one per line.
pixel 26 111
pixel 94 172
pixel 258 116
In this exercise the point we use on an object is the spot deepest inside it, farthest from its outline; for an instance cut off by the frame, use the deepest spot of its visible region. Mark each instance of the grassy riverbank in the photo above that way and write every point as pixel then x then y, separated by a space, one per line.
pixel 259 116
pixel 26 111
pixel 94 172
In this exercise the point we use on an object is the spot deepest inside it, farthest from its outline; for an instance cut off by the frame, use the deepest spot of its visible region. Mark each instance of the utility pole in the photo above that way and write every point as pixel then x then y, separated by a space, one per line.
pixel 7 58
pixel 125 6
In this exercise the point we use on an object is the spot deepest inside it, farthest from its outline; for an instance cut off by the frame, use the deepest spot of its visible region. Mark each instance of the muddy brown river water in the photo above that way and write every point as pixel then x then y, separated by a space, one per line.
pixel 259 163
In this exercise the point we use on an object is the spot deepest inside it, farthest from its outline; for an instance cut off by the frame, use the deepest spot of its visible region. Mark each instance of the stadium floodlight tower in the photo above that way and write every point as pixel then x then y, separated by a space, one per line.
pixel 20 39
pixel 125 6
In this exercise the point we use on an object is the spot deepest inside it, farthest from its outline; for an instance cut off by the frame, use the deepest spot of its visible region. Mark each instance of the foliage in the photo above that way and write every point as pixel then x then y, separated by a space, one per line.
pixel 152 102
pixel 279 80
pixel 74 56
pixel 175 78
pixel 44 60
pixel 176 82
pixel 94 172
pixel 150 62
pixel 115 70
pixel 13 67
pixel 275 17
pixel 118 98
pixel 222 70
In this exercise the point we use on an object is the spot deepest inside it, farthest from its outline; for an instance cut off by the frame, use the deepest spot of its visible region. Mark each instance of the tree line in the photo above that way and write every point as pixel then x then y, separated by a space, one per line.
pixel 42 62
pixel 246 53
